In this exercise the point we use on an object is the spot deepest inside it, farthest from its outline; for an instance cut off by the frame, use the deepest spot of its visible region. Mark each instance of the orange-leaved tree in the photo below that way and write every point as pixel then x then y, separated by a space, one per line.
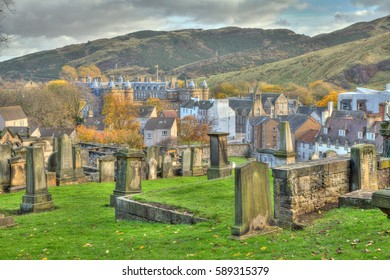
pixel 332 96
pixel 190 130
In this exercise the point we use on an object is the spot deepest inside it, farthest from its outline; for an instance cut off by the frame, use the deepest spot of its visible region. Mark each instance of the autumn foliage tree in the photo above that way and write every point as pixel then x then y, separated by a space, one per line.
pixel 121 124
pixel 332 96
pixel 190 130
pixel 68 73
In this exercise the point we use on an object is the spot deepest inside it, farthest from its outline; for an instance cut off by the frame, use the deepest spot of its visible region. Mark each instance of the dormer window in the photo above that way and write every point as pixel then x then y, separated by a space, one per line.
pixel 341 132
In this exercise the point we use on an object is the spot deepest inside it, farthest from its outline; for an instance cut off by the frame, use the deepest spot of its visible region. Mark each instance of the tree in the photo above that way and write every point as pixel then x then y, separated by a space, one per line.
pixel 332 96
pixel 5 7
pixel 68 73
pixel 160 104
pixel 225 90
pixel 190 130
pixel 89 71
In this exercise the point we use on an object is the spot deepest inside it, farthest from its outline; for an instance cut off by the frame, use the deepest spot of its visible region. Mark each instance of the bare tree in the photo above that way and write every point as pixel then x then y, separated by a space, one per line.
pixel 5 7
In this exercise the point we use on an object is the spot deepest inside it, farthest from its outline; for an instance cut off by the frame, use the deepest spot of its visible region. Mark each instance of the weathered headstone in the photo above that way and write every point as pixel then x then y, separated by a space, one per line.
pixel 65 171
pixel 186 162
pixel 37 197
pixel 77 164
pixel 285 154
pixel 6 221
pixel 5 168
pixel 167 167
pixel 385 132
pixel 107 169
pixel 381 199
pixel 219 165
pixel 128 173
pixel 364 173
pixel 253 206
pixel 152 174
pixel 18 174
pixel 196 161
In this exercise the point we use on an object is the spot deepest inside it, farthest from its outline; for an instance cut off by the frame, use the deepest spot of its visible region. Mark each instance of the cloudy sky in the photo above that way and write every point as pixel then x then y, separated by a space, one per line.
pixel 37 25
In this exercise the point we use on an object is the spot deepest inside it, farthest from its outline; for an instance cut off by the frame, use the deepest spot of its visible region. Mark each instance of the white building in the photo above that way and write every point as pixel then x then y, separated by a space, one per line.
pixel 363 99
pixel 223 118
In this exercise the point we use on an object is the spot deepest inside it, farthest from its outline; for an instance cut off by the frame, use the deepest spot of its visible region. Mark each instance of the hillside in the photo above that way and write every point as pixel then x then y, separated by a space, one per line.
pixel 194 52
pixel 363 62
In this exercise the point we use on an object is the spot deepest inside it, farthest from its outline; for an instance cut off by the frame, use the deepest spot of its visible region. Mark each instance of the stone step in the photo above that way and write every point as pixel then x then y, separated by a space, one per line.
pixel 358 198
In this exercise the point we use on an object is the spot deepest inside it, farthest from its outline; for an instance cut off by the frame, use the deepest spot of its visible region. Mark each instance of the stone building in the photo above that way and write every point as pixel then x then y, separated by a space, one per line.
pixel 160 131
pixel 262 132
pixel 12 116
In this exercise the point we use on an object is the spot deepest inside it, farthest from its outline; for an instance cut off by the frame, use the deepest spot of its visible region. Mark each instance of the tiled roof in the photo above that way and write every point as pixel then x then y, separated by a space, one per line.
pixel 159 123
pixel 145 111
pixel 95 122
pixel 55 132
pixel 295 121
pixel 309 137
pixel 169 114
pixel 12 113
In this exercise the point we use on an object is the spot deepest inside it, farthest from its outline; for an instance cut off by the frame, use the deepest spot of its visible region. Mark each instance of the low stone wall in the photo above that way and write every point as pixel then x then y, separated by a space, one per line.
pixel 127 209
pixel 302 188
pixel 234 150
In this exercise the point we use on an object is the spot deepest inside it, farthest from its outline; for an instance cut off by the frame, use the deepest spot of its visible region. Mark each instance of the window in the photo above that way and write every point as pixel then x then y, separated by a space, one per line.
pixel 360 135
pixel 148 136
pixel 164 132
pixel 325 130
pixel 341 132
pixel 370 136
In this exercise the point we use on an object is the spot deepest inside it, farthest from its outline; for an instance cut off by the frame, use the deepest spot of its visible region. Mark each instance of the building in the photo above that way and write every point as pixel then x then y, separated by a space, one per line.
pixel 262 132
pixel 169 114
pixel 160 131
pixel 320 114
pixel 363 99
pixel 145 113
pixel 347 128
pixel 12 116
pixel 221 117
pixel 306 145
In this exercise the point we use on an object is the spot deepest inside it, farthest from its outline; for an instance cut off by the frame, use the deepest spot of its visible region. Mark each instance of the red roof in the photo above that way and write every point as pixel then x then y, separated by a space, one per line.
pixel 169 114
pixel 309 136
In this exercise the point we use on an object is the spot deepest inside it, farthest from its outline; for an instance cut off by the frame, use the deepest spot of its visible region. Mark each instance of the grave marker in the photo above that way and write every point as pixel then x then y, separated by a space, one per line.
pixel 364 173
pixel 219 165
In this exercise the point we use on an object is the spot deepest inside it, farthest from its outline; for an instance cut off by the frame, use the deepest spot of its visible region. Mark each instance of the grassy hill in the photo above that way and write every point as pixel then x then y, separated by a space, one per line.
pixel 194 52
pixel 365 61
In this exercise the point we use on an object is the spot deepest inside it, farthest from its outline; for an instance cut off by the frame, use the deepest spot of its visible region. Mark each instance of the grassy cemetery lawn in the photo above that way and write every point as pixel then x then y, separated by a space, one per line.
pixel 83 226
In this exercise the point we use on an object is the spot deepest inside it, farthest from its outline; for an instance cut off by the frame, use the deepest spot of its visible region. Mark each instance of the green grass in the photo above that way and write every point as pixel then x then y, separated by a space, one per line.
pixel 83 227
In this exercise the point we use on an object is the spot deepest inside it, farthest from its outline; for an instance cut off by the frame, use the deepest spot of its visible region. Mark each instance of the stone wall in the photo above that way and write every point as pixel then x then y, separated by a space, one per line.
pixel 234 150
pixel 127 209
pixel 384 173
pixel 305 187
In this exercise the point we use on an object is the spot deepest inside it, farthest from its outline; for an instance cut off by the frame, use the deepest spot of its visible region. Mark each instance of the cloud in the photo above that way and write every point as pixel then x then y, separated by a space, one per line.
pixel 282 22
pixel 379 5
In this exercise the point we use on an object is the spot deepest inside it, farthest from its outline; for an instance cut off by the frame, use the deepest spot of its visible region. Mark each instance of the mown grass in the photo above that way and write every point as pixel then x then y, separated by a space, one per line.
pixel 83 227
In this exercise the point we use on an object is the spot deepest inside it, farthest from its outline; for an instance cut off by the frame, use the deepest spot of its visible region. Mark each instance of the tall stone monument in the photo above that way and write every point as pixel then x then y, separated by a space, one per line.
pixel 285 154
pixel 253 206
pixel 37 197
pixel 128 173
pixel 5 168
pixel 219 164
pixel 385 132
pixel 64 172
pixel 364 173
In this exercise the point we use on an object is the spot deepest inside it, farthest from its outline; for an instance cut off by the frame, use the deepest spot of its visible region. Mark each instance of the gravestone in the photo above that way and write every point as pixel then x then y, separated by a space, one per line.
pixel 107 169
pixel 65 171
pixel 196 161
pixel 253 206
pixel 167 167
pixel 385 132
pixel 219 165
pixel 285 154
pixel 364 173
pixel 152 175
pixel 5 168
pixel 77 164
pixel 128 173
pixel 37 197
pixel 186 163
pixel 52 162
pixel 84 157
pixel 18 174
pixel 6 221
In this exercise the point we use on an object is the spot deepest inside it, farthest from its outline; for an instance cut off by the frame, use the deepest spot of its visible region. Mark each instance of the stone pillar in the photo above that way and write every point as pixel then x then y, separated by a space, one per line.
pixel 107 169
pixel 253 206
pixel 364 174
pixel 285 154
pixel 5 168
pixel 37 197
pixel 385 132
pixel 219 165
pixel 18 174
pixel 128 173
pixel 186 162
pixel 64 172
